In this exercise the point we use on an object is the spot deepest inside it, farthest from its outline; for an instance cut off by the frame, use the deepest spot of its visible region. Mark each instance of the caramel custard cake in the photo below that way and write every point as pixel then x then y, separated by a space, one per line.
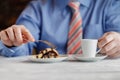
pixel 48 53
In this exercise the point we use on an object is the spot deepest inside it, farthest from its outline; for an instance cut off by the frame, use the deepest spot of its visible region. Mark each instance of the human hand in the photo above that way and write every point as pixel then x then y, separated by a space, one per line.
pixel 15 35
pixel 109 44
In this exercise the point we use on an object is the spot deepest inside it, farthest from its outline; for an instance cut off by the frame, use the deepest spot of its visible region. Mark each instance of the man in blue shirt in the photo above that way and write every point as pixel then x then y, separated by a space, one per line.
pixel 49 21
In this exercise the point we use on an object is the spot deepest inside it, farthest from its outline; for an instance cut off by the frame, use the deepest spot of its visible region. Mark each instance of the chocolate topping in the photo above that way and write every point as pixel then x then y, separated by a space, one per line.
pixel 48 53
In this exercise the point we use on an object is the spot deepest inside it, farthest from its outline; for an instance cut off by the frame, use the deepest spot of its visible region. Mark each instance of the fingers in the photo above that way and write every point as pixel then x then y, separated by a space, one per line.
pixel 108 47
pixel 5 39
pixel 24 39
pixel 13 36
pixel 115 55
pixel 27 34
pixel 10 34
pixel 107 38
pixel 112 51
pixel 110 44
pixel 18 36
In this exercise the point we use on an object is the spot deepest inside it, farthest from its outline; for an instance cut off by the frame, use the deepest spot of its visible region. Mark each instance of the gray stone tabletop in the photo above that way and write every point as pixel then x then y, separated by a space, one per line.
pixel 20 68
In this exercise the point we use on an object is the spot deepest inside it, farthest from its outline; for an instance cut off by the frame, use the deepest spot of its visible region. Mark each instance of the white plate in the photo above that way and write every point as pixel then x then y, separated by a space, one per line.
pixel 47 60
pixel 91 59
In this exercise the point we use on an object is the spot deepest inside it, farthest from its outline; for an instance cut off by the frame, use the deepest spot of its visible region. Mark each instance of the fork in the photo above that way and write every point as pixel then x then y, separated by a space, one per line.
pixel 46 42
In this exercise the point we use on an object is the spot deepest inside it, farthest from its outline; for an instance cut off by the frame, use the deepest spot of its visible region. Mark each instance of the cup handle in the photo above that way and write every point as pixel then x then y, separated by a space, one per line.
pixel 98 51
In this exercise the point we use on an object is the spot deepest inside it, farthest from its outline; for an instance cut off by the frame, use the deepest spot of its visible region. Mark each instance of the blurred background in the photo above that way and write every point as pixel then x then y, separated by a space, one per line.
pixel 10 10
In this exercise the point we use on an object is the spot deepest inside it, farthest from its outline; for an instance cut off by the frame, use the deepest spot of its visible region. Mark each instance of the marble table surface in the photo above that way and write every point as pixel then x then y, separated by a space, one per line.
pixel 20 68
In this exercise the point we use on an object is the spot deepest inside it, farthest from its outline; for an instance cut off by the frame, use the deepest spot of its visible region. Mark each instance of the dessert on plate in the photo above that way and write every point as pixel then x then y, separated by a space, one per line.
pixel 48 53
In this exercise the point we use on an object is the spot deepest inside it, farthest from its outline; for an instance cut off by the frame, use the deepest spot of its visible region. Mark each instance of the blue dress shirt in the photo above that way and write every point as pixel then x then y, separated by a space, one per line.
pixel 50 21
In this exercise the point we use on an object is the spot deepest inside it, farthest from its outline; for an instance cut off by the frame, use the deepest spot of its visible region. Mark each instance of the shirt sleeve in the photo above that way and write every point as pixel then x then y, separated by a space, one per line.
pixel 113 16
pixel 16 51
pixel 30 18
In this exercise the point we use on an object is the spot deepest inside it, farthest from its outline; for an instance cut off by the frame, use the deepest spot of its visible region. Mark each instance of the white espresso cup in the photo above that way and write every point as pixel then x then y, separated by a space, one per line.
pixel 89 47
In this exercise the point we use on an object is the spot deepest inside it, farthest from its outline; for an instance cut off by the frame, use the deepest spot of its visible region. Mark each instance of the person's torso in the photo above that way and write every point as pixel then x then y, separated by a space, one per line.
pixel 56 19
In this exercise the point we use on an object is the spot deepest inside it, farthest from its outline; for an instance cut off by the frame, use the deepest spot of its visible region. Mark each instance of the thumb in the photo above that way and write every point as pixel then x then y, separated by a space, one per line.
pixel 27 35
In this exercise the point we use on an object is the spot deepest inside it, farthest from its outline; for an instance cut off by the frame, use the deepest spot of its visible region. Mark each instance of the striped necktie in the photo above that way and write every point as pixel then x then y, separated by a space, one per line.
pixel 75 31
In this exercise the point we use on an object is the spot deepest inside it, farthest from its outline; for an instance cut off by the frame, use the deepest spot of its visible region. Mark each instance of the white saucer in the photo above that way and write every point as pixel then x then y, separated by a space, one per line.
pixel 91 59
pixel 47 60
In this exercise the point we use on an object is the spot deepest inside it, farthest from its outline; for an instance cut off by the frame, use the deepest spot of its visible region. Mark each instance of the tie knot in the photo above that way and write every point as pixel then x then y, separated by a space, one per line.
pixel 74 5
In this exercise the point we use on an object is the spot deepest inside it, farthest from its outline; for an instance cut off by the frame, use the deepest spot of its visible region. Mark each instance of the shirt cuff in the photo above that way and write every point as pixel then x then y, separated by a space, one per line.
pixel 8 52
